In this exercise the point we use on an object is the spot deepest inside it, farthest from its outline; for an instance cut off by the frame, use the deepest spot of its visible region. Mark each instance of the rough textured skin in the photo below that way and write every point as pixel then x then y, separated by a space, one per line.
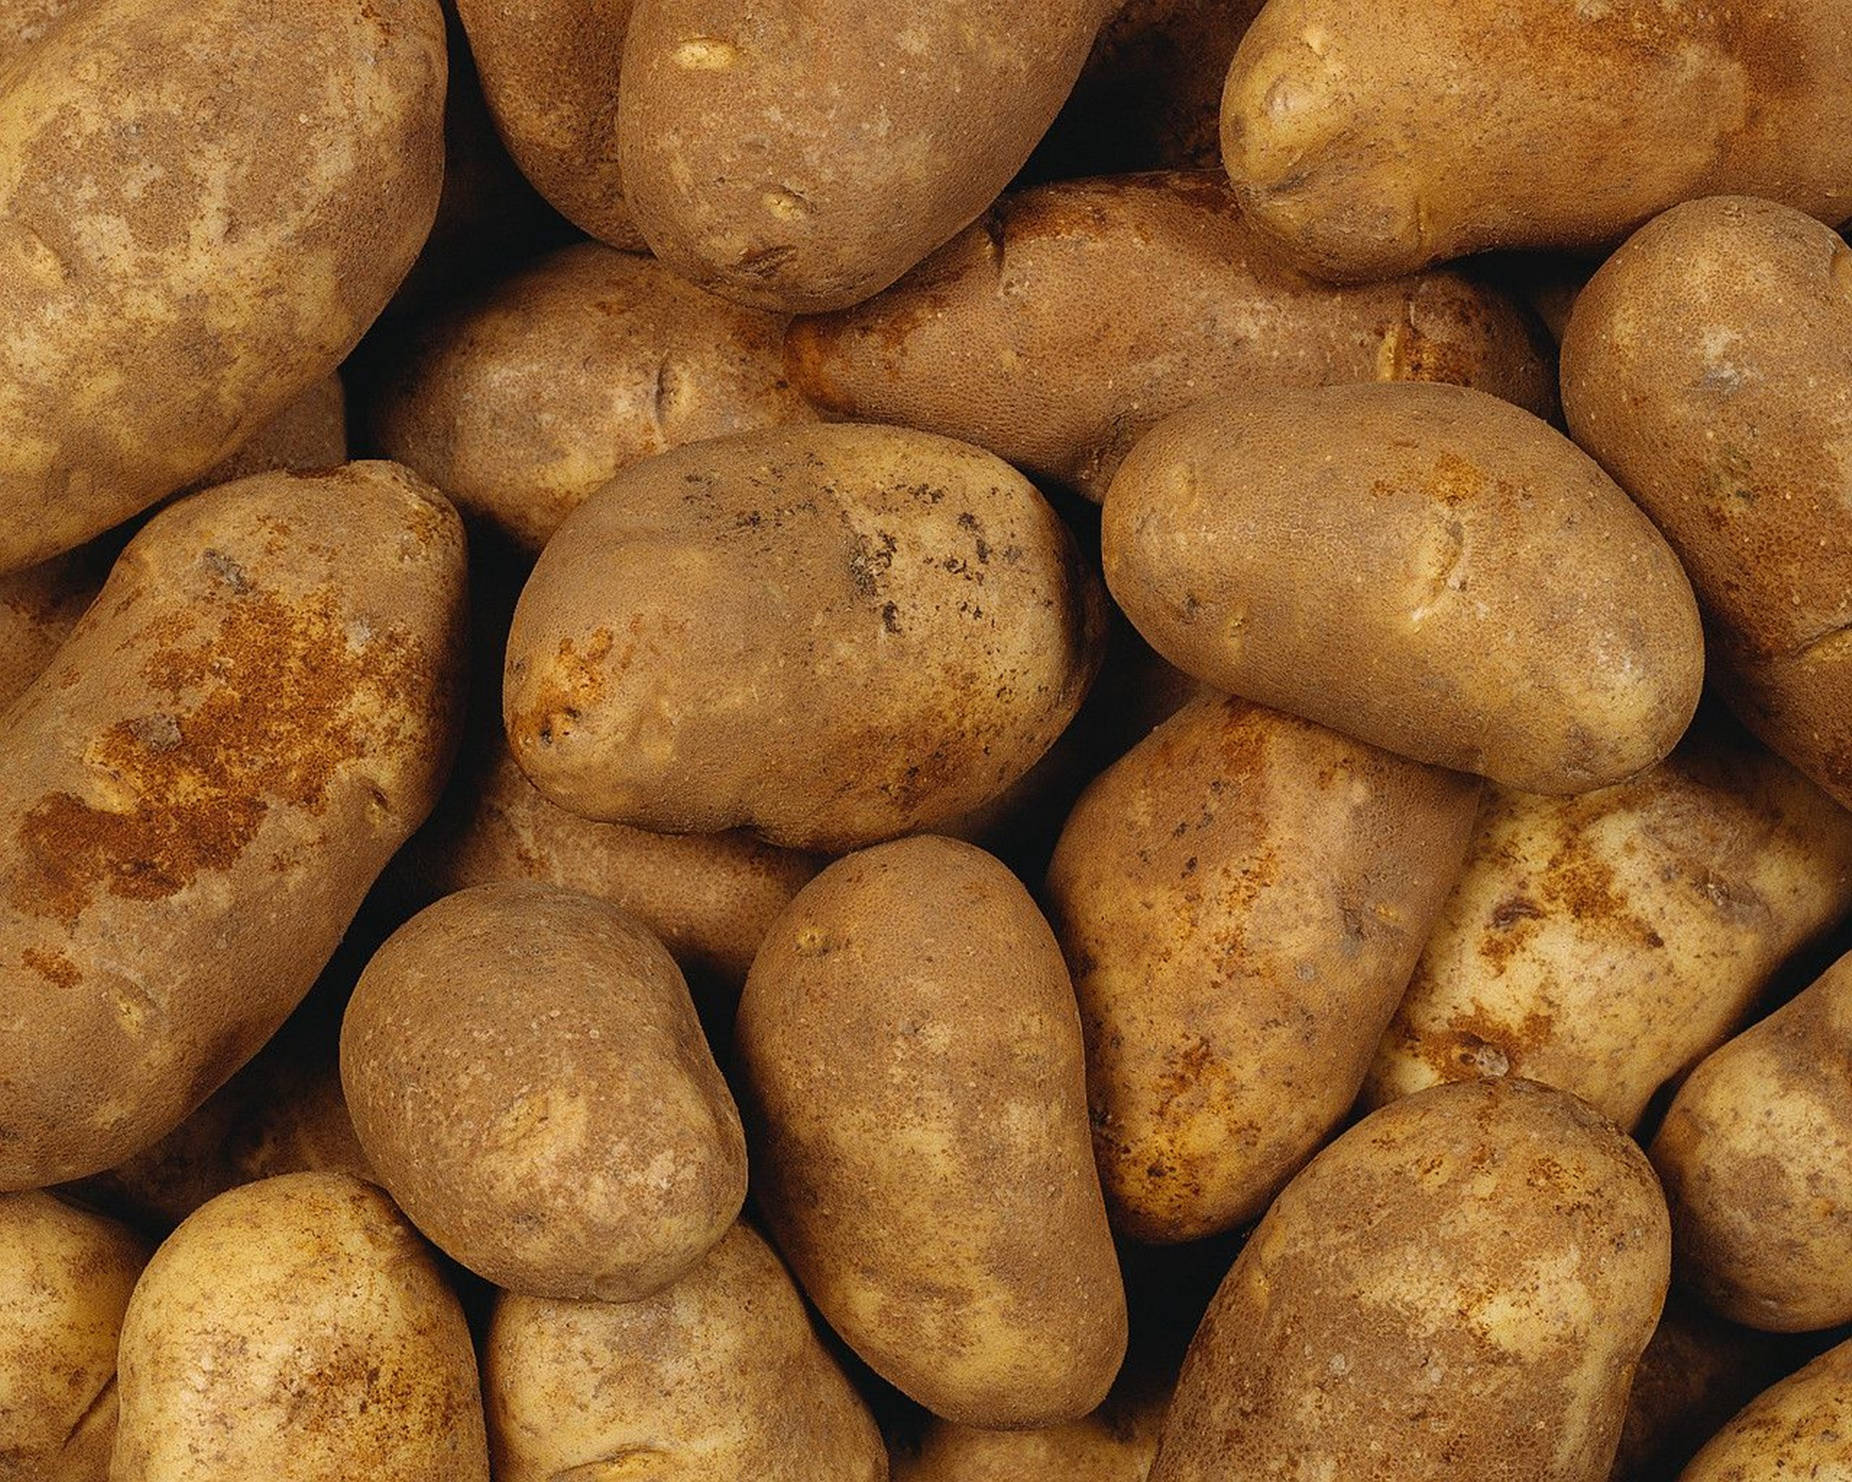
pixel 1460 1286
pixel 38 609
pixel 1116 1443
pixel 1073 318
pixel 307 435
pixel 717 1379
pixel 256 712
pixel 1424 567
pixel 1373 137
pixel 914 1082
pixel 1708 366
pixel 297 1329
pixel 24 23
pixel 522 402
pixel 191 235
pixel 1800 1428
pixel 1756 1154
pixel 899 622
pixel 1606 943
pixel 803 154
pixel 1241 899
pixel 65 1279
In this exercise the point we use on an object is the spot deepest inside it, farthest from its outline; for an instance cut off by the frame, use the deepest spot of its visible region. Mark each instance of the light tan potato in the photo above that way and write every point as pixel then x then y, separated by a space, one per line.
pixel 65 1279
pixel 803 154
pixel 24 23
pixel 1116 1443
pixel 1073 318
pixel 257 711
pixel 1706 367
pixel 1241 899
pixel 1423 567
pixel 1460 1286
pixel 253 221
pixel 912 1073
pixel 897 624
pixel 524 401
pixel 297 1329
pixel 1801 1427
pixel 1373 137
pixel 1604 944
pixel 719 1378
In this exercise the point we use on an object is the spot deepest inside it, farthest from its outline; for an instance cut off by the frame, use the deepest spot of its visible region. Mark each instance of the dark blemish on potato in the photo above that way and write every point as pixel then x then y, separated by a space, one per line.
pixel 870 561
pixel 890 617
pixel 54 967
pixel 765 262
pixel 226 570
pixel 572 684
pixel 1509 912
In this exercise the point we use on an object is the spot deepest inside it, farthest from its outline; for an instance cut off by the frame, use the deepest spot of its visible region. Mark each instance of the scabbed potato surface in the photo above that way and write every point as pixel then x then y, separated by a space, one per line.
pixel 298 1329
pixel 1708 365
pixel 256 712
pixel 1073 318
pixel 1423 567
pixel 1373 137
pixel 719 1378
pixel 1241 899
pixel 828 634
pixel 251 221
pixel 1801 1427
pixel 1116 1443
pixel 1460 1286
pixel 912 1074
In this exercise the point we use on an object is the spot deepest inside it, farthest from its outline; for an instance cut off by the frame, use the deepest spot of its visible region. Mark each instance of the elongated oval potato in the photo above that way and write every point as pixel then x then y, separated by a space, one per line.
pixel 1073 318
pixel 65 1279
pixel 1241 899
pixel 251 221
pixel 1707 367
pixel 1373 137
pixel 720 1377
pixel 1801 1427
pixel 803 154
pixel 914 1082
pixel 898 625
pixel 522 402
pixel 1423 567
pixel 298 1328
pixel 256 712
pixel 1606 943
pixel 1460 1286
pixel 1116 1443
pixel 1756 1154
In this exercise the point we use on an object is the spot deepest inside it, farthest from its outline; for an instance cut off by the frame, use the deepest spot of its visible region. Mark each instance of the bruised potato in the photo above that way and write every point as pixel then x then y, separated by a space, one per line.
pixel 1801 1427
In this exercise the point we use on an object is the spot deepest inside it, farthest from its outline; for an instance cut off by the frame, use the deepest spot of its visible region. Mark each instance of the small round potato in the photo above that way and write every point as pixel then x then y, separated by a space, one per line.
pixel 297 1329
pixel 1423 567
pixel 1460 1286
pixel 720 1378
pixel 831 635
pixel 911 1065
pixel 1800 1428
pixel 1116 1443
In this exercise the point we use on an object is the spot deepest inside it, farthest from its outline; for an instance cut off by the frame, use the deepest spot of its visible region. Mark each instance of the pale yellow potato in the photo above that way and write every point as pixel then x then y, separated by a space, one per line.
pixel 1799 1428
pixel 297 1329
pixel 1116 1443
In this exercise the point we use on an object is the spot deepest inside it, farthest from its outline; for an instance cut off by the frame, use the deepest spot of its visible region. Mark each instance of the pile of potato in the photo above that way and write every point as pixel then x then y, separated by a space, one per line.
pixel 818 740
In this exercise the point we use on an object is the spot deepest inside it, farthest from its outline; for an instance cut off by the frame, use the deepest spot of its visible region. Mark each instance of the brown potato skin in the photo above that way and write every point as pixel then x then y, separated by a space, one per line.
pixel 1116 1443
pixel 1074 318
pixel 1706 367
pixel 134 362
pixel 256 712
pixel 1460 1285
pixel 1797 1428
pixel 24 23
pixel 297 1328
pixel 1372 139
pixel 1461 585
pixel 308 434
pixel 38 609
pixel 910 1065
pixel 802 156
pixel 525 400
pixel 1690 885
pixel 1241 900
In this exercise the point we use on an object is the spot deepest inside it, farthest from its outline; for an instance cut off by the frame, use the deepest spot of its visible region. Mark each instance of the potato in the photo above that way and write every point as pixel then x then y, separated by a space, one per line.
pixel 307 435
pixel 65 1279
pixel 803 154
pixel 719 1378
pixel 1072 319
pixel 898 624
pixel 38 609
pixel 255 218
pixel 522 402
pixel 1706 367
pixel 1460 1286
pixel 1114 1444
pixel 1423 567
pixel 1241 899
pixel 1374 138
pixel 911 1068
pixel 1802 1427
pixel 254 715
pixel 297 1329
pixel 1606 943
pixel 525 1070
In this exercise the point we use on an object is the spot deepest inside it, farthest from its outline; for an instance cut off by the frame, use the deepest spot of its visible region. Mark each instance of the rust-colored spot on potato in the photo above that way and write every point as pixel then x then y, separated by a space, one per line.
pixel 573 683
pixel 54 967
